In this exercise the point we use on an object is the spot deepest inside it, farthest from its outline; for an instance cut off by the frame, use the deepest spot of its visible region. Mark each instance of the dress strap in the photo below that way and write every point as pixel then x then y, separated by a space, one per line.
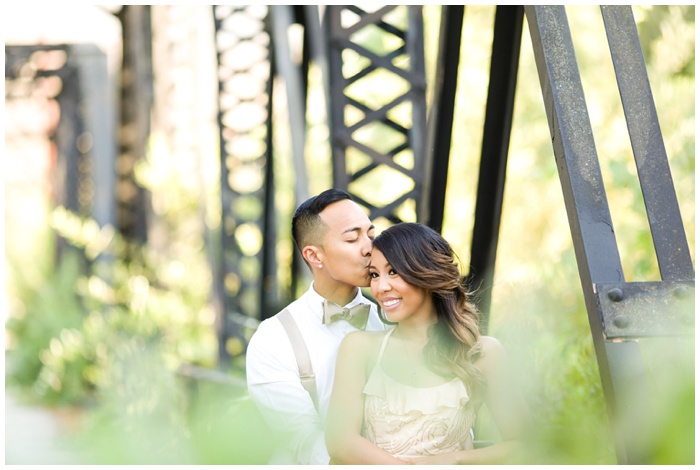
pixel 384 341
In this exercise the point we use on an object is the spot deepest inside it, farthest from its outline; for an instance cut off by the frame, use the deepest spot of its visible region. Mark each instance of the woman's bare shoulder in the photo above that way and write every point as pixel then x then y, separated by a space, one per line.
pixel 366 338
pixel 361 346
pixel 492 352
pixel 489 343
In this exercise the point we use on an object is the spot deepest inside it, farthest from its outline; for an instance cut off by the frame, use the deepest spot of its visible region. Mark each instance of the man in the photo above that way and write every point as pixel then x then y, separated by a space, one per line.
pixel 334 236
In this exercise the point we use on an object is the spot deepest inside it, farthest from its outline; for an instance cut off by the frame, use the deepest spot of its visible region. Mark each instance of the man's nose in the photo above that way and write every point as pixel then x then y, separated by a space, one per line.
pixel 366 246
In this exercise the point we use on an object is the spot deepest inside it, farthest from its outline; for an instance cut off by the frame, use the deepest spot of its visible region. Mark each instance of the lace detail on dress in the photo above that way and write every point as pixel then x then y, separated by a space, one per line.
pixel 414 421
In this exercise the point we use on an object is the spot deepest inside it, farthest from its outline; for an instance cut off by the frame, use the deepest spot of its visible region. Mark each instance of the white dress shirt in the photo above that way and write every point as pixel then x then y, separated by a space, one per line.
pixel 273 376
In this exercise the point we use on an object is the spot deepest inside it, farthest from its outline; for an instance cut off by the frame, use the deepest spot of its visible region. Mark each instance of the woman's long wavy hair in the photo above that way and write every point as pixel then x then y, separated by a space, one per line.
pixel 424 259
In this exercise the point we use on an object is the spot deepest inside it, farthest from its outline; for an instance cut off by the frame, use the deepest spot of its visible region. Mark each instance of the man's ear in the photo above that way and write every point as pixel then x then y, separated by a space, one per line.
pixel 311 255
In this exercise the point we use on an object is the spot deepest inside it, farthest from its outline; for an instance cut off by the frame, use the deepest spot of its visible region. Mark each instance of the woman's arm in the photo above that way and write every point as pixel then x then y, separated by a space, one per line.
pixel 346 410
pixel 503 395
pixel 507 407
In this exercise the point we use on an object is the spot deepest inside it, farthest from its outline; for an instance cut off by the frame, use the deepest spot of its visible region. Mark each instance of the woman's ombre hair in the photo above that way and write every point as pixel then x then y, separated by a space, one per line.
pixel 424 259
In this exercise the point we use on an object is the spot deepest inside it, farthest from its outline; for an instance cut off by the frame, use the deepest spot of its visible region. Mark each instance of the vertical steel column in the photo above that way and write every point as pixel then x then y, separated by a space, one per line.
pixel 83 145
pixel 135 119
pixel 508 28
pixel 70 127
pixel 295 77
pixel 439 139
pixel 644 309
pixel 647 144
pixel 316 51
pixel 99 142
pixel 70 178
pixel 584 194
pixel 619 312
pixel 360 124
pixel 282 17
pixel 245 88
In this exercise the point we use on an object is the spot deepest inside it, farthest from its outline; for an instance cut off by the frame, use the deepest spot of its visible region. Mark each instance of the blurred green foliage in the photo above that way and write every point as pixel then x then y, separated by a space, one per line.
pixel 108 332
pixel 97 308
pixel 45 333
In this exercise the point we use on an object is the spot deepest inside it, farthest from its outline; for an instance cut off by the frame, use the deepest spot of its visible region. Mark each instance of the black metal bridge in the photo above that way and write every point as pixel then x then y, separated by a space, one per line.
pixel 252 49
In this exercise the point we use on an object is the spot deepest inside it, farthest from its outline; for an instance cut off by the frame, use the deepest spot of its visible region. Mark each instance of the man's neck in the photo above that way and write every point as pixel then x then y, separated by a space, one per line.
pixel 340 294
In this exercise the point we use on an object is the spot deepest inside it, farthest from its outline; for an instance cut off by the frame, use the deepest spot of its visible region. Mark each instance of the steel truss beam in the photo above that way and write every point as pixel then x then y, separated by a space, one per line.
pixel 372 132
pixel 245 70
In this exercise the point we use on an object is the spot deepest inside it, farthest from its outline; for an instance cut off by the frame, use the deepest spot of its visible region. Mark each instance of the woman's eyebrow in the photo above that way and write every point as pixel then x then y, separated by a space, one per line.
pixel 387 265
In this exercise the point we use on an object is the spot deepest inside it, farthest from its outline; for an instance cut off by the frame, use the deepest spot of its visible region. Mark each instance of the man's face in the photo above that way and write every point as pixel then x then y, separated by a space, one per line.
pixel 347 244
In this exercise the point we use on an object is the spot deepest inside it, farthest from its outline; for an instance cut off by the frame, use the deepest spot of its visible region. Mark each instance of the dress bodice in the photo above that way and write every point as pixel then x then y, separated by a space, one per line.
pixel 411 421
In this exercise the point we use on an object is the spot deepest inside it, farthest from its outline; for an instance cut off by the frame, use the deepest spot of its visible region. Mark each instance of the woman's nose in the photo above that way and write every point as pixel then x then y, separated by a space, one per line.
pixel 383 284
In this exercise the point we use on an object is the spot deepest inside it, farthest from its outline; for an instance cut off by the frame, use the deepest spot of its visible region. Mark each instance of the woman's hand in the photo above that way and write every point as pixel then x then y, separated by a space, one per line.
pixel 500 453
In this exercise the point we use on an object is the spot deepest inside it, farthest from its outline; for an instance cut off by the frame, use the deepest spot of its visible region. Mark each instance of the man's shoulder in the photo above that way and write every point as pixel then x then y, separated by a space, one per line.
pixel 268 332
pixel 271 329
pixel 268 324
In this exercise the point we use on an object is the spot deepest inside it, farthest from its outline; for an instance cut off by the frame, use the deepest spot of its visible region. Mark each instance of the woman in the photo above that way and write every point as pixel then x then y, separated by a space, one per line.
pixel 410 395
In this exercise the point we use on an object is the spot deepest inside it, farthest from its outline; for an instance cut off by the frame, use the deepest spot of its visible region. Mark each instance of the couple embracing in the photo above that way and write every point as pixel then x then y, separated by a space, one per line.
pixel 401 385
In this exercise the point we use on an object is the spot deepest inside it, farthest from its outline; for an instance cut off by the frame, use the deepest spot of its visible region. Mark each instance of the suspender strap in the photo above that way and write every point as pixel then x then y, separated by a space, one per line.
pixel 306 373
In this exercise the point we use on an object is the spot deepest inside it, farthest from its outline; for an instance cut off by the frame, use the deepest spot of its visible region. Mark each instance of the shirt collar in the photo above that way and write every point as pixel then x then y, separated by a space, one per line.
pixel 316 300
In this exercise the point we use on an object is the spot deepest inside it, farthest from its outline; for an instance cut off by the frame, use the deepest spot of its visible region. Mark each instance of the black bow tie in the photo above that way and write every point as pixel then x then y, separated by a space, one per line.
pixel 357 316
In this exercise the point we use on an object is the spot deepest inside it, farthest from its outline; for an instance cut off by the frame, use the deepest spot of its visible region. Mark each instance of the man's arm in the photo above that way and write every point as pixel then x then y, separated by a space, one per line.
pixel 274 385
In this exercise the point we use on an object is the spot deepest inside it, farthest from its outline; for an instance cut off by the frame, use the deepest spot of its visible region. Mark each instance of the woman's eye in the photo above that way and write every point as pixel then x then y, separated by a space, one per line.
pixel 373 275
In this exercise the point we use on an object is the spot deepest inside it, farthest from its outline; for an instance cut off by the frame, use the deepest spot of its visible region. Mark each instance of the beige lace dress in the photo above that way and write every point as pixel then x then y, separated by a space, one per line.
pixel 415 421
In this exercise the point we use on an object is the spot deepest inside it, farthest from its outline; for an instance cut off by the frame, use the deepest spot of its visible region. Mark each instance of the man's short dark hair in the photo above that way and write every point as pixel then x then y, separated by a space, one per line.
pixel 306 222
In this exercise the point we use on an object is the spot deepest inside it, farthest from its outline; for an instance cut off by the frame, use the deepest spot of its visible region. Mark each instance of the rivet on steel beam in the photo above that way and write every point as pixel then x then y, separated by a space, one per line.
pixel 615 294
pixel 680 292
pixel 621 322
